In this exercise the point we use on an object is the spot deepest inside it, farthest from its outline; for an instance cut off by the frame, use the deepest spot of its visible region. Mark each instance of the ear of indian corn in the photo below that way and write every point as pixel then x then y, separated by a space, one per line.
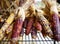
pixel 6 24
pixel 45 24
pixel 56 27
pixel 55 19
pixel 8 21
pixel 17 27
pixel 29 26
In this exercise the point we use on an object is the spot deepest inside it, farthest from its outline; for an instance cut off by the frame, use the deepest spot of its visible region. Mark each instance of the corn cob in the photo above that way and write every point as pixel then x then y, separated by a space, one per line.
pixel 30 22
pixel 56 27
pixel 6 24
pixel 17 28
pixel 8 21
pixel 29 26
pixel 55 19
pixel 45 24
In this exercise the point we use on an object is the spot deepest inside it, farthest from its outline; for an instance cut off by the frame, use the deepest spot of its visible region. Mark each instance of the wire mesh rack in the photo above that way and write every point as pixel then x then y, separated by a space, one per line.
pixel 27 39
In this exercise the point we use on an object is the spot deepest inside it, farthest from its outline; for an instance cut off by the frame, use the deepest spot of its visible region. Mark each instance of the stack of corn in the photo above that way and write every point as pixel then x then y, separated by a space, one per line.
pixel 24 14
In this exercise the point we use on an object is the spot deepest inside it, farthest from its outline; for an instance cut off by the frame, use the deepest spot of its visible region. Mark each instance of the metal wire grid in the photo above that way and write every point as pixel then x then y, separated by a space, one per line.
pixel 27 39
